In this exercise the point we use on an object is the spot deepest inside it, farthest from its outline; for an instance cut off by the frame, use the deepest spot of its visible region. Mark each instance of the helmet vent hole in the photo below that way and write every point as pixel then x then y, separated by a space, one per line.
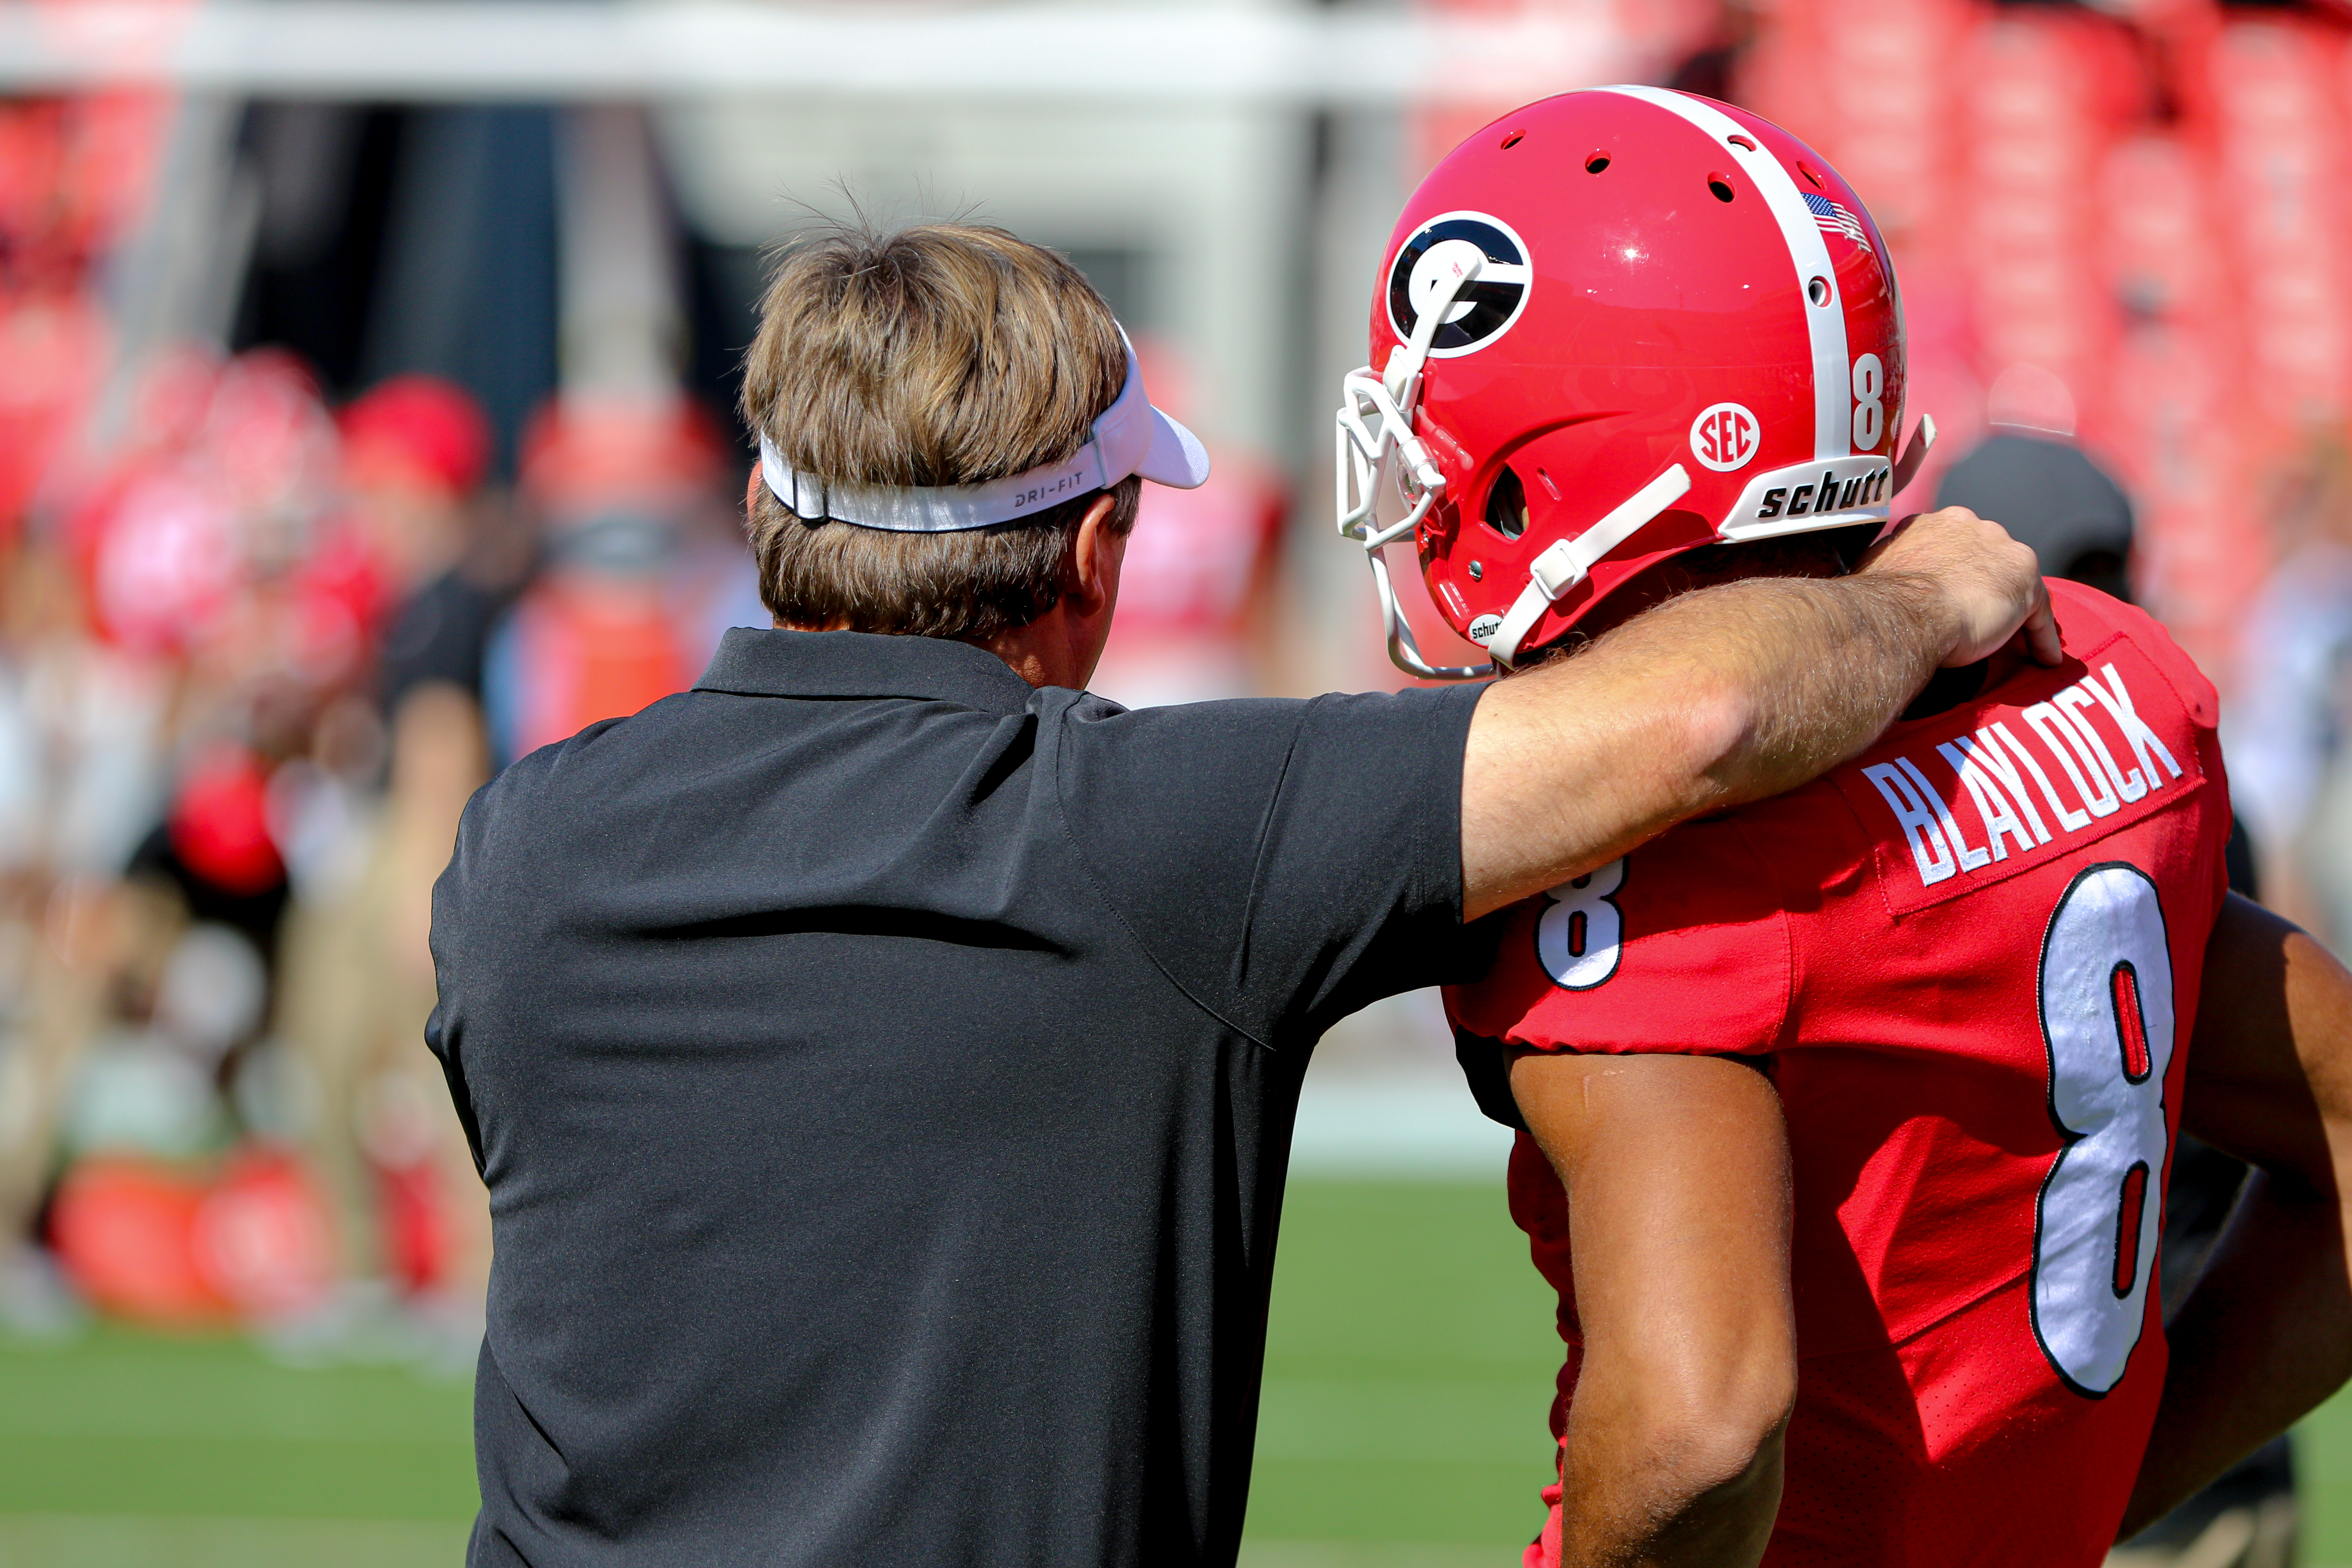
pixel 1818 290
pixel 1741 141
pixel 1721 185
pixel 1506 505
pixel 1594 163
pixel 1807 170
pixel 1513 140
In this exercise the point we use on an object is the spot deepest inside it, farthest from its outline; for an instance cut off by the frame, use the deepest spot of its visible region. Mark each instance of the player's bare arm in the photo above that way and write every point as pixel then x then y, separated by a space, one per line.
pixel 1677 1170
pixel 1724 696
pixel 2266 1334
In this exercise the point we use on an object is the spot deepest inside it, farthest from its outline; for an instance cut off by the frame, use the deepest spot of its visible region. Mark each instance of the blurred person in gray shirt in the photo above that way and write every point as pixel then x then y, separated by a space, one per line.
pixel 2292 705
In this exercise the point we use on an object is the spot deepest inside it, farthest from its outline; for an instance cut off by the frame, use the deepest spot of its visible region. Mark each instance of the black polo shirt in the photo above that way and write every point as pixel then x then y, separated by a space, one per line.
pixel 884 1076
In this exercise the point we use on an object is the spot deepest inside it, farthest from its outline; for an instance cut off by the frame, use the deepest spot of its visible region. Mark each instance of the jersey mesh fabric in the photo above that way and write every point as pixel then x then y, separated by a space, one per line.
pixel 1951 956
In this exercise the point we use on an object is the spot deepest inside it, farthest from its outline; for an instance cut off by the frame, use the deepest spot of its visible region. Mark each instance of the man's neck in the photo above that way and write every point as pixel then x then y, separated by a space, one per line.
pixel 1049 651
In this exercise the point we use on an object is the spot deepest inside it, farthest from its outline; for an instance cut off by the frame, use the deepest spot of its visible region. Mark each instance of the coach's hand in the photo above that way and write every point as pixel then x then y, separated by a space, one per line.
pixel 1982 586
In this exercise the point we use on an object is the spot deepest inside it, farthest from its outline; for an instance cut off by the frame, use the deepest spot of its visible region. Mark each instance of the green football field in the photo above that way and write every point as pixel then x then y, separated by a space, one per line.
pixel 1406 1381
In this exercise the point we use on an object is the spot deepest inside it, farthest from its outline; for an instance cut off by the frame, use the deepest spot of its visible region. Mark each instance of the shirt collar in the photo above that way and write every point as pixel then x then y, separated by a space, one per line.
pixel 752 662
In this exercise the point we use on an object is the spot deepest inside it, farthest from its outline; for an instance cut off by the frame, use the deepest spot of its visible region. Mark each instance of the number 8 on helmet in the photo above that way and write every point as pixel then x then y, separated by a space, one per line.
pixel 1612 327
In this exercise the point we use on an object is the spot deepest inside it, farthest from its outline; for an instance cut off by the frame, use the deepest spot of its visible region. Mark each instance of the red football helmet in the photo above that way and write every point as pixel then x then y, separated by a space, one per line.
pixel 1618 325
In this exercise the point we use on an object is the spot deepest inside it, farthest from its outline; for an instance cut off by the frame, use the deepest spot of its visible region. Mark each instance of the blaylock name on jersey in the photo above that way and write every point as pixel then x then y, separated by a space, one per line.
pixel 2009 780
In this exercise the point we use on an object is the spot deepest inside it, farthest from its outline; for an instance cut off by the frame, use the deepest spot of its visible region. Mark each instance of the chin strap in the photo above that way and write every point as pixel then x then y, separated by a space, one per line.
pixel 1563 566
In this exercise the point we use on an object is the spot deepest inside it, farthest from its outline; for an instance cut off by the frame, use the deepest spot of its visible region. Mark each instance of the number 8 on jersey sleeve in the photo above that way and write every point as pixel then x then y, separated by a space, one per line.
pixel 1581 930
pixel 2107 1020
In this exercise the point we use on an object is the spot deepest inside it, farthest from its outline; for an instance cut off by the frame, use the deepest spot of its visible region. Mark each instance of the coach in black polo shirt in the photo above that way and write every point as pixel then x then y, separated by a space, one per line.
pixel 882 1058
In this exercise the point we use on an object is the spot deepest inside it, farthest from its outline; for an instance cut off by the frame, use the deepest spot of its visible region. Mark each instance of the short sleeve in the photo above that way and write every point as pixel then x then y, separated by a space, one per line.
pixel 1284 862
pixel 1682 946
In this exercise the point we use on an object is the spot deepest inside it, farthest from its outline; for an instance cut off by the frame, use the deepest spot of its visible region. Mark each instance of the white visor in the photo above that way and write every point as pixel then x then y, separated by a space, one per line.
pixel 1130 437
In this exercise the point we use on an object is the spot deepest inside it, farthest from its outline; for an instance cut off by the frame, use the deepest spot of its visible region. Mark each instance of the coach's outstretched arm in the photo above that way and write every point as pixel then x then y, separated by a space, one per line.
pixel 1728 695
pixel 2266 1333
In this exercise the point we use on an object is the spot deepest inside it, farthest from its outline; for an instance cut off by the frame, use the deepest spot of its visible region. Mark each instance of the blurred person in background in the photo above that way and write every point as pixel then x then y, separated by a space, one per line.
pixel 2076 517
pixel 92 697
pixel 2293 700
pixel 618 613
pixel 357 988
pixel 215 555
pixel 356 982
pixel 225 913
pixel 79 773
pixel 416 450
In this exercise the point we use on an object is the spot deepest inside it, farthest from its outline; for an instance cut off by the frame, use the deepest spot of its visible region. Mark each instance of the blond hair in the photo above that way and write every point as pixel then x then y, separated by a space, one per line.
pixel 942 355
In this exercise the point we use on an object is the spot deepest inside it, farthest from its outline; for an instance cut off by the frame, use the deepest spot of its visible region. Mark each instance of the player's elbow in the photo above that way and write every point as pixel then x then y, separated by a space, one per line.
pixel 1720 1437
pixel 1715 1478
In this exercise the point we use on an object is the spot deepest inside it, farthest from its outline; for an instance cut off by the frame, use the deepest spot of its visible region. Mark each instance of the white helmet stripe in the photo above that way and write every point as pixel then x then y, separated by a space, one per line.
pixel 1808 253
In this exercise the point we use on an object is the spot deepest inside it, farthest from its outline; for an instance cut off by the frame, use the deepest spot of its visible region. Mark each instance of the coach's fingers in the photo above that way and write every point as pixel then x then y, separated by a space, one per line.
pixel 2041 630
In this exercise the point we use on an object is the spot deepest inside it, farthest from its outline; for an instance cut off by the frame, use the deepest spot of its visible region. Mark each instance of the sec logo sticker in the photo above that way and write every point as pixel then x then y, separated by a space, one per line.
pixel 1725 436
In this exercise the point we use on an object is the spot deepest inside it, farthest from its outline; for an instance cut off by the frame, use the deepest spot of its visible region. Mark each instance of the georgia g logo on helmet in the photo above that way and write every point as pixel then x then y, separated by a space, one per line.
pixel 1480 313
pixel 1613 326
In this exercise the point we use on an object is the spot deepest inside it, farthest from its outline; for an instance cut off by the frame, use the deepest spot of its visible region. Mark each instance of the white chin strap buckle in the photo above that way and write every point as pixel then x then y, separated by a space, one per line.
pixel 1564 565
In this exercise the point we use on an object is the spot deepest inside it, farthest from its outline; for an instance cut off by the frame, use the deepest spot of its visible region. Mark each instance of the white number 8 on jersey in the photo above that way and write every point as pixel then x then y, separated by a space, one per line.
pixel 2107 1019
pixel 1580 931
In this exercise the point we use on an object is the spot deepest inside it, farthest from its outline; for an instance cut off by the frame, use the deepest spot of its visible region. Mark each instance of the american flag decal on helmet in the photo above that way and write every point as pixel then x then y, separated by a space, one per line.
pixel 1832 218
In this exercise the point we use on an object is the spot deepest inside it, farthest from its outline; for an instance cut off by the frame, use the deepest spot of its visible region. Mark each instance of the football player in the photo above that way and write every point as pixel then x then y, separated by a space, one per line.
pixel 1845 1116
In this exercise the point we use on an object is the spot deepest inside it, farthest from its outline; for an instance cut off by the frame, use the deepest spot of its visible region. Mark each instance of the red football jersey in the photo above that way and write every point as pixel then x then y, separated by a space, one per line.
pixel 1969 961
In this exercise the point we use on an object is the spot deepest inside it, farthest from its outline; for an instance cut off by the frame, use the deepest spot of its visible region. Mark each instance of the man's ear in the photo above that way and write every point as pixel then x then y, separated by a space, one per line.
pixel 751 488
pixel 1094 558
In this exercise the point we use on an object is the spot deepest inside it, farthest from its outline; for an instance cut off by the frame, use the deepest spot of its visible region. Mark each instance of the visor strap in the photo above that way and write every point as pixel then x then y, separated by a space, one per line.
pixel 1121 440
